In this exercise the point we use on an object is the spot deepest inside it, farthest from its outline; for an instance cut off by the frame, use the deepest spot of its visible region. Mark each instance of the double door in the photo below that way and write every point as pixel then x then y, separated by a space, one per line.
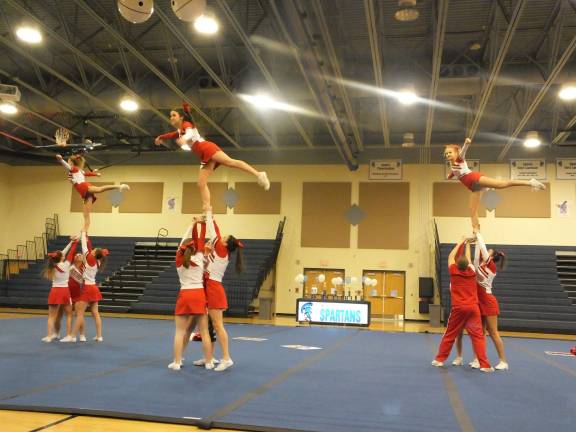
pixel 387 296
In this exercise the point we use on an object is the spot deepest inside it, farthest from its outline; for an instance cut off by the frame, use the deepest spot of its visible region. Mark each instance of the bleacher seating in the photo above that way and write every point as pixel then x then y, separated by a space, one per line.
pixel 529 291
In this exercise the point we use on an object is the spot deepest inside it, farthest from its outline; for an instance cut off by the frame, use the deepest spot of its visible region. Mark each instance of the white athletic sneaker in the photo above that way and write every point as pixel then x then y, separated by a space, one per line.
pixel 437 363
pixel 124 187
pixel 174 366
pixel 263 180
pixel 202 362
pixel 502 366
pixel 457 361
pixel 487 370
pixel 224 364
pixel 47 339
pixel 98 339
pixel 536 184
pixel 209 366
pixel 68 339
pixel 82 338
pixel 474 364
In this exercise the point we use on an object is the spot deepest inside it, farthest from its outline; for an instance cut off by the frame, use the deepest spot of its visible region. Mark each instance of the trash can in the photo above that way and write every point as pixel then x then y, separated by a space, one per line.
pixel 266 308
pixel 435 314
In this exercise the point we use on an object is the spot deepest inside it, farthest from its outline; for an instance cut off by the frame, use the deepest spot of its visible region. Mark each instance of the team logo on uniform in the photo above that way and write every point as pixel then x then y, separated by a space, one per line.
pixel 306 309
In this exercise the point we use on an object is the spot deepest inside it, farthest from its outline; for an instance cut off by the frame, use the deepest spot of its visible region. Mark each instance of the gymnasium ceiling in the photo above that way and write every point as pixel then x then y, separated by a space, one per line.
pixel 323 56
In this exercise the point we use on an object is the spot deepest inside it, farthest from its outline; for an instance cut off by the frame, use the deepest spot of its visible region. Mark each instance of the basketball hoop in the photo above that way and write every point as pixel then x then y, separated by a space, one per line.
pixel 62 136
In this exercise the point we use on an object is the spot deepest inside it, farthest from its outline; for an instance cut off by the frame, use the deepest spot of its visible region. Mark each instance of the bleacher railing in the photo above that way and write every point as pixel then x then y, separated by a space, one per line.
pixel 19 258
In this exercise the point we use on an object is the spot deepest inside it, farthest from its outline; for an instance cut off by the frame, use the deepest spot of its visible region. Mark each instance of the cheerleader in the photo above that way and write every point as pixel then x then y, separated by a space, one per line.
pixel 76 284
pixel 191 303
pixel 87 191
pixel 465 312
pixel 57 270
pixel 94 260
pixel 211 156
pixel 476 181
pixel 218 257
pixel 488 262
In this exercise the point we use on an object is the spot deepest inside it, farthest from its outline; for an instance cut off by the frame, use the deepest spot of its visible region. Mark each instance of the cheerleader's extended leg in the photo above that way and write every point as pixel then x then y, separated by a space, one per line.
pixel 223 159
pixel 205 172
pixel 489 182
pixel 474 205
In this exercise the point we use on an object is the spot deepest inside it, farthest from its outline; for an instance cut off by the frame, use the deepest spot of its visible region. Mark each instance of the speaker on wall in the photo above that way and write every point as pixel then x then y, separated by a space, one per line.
pixel 423 307
pixel 426 287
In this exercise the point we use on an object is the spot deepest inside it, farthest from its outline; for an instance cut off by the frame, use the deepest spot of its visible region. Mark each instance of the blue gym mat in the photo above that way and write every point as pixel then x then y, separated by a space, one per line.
pixel 359 381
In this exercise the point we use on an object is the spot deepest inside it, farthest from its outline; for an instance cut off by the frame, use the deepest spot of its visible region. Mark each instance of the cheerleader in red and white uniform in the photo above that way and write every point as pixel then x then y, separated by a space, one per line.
pixel 87 191
pixel 219 249
pixel 210 155
pixel 487 262
pixel 191 303
pixel 57 270
pixel 94 260
pixel 476 181
pixel 76 285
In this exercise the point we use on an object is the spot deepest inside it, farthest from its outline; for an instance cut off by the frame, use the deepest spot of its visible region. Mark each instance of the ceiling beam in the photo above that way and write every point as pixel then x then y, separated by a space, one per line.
pixel 370 13
pixel 543 91
pixel 263 69
pixel 298 40
pixel 439 33
pixel 184 40
pixel 333 58
pixel 496 66
pixel 29 129
pixel 136 53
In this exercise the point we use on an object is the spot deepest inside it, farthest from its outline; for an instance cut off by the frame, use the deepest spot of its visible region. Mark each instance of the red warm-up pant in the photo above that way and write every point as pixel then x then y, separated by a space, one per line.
pixel 464 317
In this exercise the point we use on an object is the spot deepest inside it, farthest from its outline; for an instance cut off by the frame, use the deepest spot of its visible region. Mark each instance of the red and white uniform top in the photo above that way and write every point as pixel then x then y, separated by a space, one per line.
pixel 188 132
pixel 485 265
pixel 91 267
pixel 75 174
pixel 218 259
pixel 77 274
pixel 193 276
pixel 62 269
pixel 459 167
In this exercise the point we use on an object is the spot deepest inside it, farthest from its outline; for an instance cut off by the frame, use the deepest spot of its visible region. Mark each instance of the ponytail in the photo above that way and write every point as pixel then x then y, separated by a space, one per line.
pixel 233 244
pixel 190 249
pixel 500 260
pixel 102 256
pixel 54 259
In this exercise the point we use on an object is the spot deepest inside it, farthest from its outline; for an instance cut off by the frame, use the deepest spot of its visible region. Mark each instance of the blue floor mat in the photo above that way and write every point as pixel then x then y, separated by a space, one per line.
pixel 360 380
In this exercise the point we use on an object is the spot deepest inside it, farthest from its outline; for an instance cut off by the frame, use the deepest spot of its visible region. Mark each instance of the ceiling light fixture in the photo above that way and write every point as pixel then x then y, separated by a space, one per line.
pixel 8 108
pixel 29 35
pixel 406 97
pixel 408 140
pixel 532 140
pixel 129 105
pixel 206 24
pixel 568 92
pixel 407 11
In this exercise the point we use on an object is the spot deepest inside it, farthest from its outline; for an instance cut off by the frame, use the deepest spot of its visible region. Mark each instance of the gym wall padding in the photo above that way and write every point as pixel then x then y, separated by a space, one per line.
pixel 387 209
pixel 192 203
pixel 453 200
pixel 324 206
pixel 143 197
pixel 255 200
pixel 524 202
pixel 102 205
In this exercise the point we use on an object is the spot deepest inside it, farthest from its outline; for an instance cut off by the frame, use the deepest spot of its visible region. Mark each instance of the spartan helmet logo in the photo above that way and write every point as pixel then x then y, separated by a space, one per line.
pixel 306 309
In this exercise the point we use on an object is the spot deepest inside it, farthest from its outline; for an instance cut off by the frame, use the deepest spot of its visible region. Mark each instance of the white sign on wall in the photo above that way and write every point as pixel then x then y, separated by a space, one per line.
pixel 333 312
pixel 565 169
pixel 563 208
pixel 385 169
pixel 526 169
pixel 473 164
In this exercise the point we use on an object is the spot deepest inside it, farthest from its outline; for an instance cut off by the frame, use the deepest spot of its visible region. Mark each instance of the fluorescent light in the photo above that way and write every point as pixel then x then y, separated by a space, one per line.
pixel 29 35
pixel 206 24
pixel 407 11
pixel 129 105
pixel 8 108
pixel 568 92
pixel 263 102
pixel 185 147
pixel 532 140
pixel 407 97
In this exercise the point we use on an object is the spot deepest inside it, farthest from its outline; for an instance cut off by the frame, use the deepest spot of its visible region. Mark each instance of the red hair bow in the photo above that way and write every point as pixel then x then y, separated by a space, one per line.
pixel 239 244
pixel 53 254
pixel 105 252
pixel 186 107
